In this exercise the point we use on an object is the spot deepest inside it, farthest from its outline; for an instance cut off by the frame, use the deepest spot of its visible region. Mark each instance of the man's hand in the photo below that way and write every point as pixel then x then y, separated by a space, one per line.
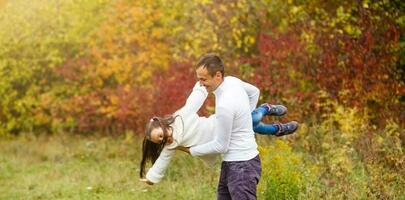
pixel 185 149
pixel 146 181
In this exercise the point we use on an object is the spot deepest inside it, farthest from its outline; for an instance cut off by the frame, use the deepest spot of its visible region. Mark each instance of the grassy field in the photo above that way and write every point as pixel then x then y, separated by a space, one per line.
pixel 106 167
pixel 78 167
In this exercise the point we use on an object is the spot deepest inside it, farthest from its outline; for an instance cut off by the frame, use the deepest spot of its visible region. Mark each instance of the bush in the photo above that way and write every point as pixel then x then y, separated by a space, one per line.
pixel 284 174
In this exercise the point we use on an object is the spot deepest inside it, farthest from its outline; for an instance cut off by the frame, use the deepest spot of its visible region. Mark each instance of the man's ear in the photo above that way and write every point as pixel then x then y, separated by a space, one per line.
pixel 218 74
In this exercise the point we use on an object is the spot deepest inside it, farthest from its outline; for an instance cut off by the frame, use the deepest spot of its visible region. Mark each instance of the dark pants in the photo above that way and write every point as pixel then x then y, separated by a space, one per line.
pixel 239 179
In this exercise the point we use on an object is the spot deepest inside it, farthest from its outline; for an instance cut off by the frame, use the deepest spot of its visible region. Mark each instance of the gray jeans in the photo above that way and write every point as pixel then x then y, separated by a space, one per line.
pixel 239 179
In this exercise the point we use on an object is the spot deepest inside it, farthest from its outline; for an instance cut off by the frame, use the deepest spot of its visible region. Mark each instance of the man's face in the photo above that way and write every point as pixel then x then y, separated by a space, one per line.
pixel 209 82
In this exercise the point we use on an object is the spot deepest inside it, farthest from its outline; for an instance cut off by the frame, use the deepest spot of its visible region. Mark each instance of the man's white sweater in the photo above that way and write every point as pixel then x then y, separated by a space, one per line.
pixel 234 136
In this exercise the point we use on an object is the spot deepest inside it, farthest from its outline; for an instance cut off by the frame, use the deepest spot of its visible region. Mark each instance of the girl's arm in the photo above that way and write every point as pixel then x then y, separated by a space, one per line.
pixel 195 100
pixel 146 181
pixel 156 172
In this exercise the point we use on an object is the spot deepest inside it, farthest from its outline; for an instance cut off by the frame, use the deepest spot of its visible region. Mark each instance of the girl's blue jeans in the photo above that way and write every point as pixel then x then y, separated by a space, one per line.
pixel 258 125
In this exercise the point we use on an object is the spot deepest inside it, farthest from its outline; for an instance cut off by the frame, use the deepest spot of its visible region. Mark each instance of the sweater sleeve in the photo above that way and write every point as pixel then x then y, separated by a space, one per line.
pixel 195 100
pixel 220 144
pixel 253 94
pixel 156 172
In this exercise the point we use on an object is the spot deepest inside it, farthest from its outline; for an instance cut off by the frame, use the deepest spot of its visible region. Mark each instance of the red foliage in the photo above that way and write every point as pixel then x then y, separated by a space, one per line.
pixel 364 67
pixel 359 71
pixel 172 88
pixel 117 108
pixel 125 113
pixel 279 65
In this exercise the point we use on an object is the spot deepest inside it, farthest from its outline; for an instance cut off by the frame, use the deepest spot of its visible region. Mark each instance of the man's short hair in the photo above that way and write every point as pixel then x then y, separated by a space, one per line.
pixel 212 63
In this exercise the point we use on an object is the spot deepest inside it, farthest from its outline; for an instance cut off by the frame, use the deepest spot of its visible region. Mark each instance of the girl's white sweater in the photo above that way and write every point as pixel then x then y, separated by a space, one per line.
pixel 189 129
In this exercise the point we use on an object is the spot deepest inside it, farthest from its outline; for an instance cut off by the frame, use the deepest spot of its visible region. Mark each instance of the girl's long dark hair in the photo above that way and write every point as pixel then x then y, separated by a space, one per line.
pixel 150 150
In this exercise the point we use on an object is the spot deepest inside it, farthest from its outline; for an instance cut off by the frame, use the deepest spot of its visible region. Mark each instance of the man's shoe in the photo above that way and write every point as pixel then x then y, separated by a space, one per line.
pixel 276 110
pixel 287 128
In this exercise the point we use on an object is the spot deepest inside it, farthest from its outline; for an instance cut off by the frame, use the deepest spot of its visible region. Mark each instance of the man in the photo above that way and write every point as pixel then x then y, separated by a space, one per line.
pixel 234 102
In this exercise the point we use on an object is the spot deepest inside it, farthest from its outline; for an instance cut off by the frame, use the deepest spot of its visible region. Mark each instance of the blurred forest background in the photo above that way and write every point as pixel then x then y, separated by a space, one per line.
pixel 80 78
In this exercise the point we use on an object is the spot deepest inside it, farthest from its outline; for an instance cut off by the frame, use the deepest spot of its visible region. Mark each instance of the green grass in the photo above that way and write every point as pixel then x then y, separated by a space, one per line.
pixel 106 167
pixel 78 167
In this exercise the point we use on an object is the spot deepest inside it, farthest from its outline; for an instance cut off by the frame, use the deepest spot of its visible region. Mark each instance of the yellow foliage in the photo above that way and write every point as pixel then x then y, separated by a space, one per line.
pixel 283 172
pixel 129 47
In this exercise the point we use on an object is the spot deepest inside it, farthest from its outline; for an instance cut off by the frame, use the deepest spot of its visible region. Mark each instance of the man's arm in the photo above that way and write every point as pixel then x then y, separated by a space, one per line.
pixel 223 129
pixel 253 94
pixel 184 149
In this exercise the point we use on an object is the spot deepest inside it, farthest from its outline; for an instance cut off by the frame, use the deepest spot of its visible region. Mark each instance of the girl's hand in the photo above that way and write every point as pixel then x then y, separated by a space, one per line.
pixel 185 149
pixel 146 181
